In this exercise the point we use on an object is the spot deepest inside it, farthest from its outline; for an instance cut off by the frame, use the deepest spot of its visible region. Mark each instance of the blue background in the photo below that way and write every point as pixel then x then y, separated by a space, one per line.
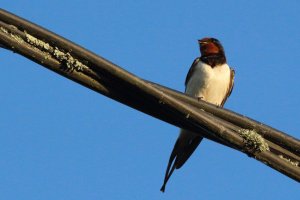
pixel 60 140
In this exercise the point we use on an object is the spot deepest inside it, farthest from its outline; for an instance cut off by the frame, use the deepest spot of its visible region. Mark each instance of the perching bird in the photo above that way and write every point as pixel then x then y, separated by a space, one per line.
pixel 209 79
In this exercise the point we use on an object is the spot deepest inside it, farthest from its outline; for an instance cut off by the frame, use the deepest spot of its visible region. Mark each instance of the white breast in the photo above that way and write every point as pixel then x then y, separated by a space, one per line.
pixel 210 84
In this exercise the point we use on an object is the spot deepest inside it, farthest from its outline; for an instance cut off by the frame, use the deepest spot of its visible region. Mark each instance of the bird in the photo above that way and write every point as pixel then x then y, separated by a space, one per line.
pixel 209 79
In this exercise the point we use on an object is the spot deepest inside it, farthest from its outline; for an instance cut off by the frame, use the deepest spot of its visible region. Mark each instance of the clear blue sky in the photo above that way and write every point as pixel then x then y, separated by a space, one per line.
pixel 60 140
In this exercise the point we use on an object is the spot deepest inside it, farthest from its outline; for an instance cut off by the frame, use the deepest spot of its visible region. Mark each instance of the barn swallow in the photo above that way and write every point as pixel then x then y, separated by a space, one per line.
pixel 209 79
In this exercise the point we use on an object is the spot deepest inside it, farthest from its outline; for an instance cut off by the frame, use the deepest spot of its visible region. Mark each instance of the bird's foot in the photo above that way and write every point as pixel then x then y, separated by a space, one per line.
pixel 199 98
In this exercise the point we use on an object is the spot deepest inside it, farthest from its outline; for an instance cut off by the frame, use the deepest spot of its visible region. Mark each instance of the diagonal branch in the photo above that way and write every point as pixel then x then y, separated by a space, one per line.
pixel 270 146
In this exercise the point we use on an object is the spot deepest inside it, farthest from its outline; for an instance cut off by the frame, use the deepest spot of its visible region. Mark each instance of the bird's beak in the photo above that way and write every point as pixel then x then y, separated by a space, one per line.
pixel 202 42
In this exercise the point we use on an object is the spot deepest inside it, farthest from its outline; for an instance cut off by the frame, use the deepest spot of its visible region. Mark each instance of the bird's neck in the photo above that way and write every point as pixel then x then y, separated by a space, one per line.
pixel 214 59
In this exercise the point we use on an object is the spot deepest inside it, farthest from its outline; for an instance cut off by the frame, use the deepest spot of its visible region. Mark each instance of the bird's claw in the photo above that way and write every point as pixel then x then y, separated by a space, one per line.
pixel 199 98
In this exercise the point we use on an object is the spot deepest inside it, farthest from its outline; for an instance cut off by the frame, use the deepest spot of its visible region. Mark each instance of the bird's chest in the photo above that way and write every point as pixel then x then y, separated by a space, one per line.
pixel 210 84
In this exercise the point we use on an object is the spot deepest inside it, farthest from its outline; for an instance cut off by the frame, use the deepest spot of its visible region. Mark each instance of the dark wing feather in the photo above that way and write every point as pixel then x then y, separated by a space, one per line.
pixel 191 70
pixel 230 88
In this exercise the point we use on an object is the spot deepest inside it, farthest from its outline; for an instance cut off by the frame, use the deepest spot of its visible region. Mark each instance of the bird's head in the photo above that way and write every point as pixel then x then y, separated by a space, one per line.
pixel 210 46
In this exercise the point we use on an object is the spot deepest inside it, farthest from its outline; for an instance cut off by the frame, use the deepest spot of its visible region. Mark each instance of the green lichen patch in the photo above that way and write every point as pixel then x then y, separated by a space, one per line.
pixel 17 38
pixel 36 42
pixel 3 30
pixel 12 35
pixel 294 163
pixel 254 141
pixel 71 62
pixel 65 58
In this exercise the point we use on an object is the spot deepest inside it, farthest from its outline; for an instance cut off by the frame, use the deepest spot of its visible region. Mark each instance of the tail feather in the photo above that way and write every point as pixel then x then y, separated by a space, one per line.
pixel 183 149
pixel 171 163
pixel 168 175
pixel 189 150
